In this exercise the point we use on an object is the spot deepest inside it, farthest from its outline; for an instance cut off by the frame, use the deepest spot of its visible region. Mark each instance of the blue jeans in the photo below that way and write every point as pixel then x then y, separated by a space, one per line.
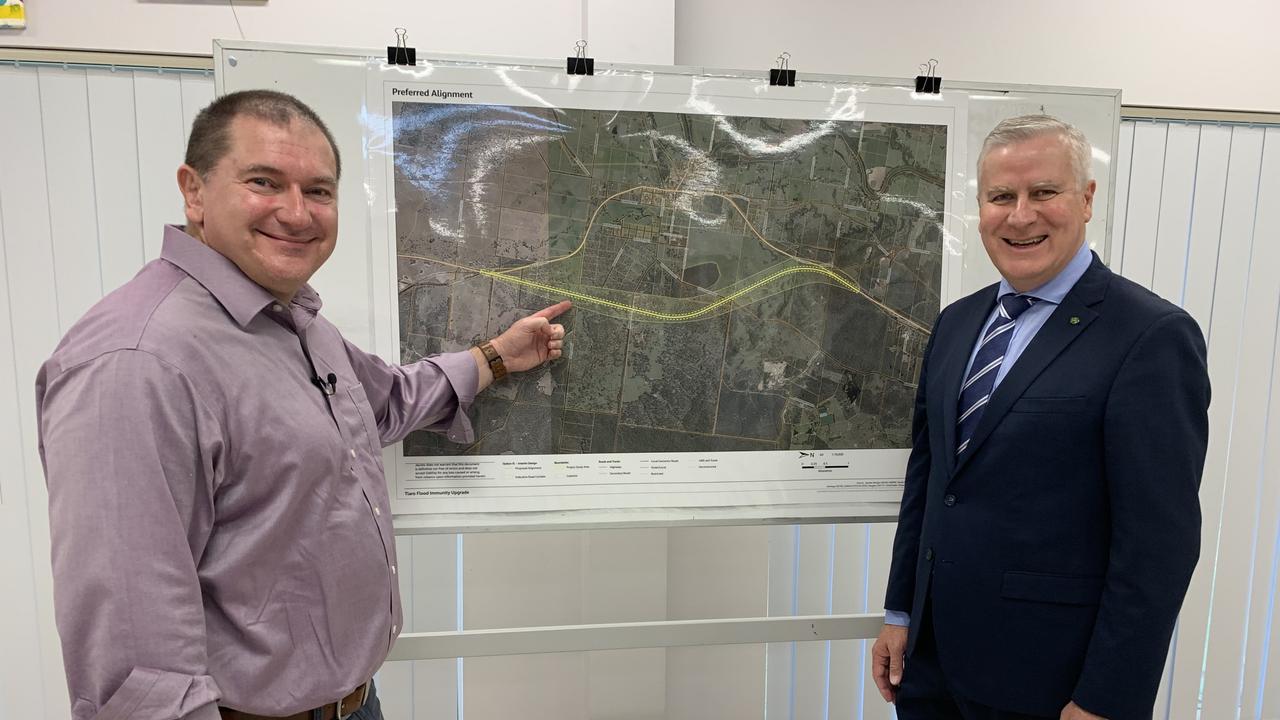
pixel 371 710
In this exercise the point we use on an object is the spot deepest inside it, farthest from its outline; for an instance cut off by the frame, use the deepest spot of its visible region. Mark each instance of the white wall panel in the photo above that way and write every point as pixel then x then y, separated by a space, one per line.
pixel 1142 216
pixel 73 212
pixel 848 595
pixel 1226 333
pixel 24 205
pixel 114 139
pixel 1120 206
pixel 1248 460
pixel 1169 270
pixel 717 572
pixel 624 579
pixel 780 658
pixel 158 102
pixel 814 576
pixel 21 680
pixel 621 31
pixel 1213 162
pixel 546 567
pixel 879 555
pixel 1173 234
pixel 1212 165
pixel 1270 670
pixel 721 682
pixel 429 591
pixel 197 92
pixel 1162 53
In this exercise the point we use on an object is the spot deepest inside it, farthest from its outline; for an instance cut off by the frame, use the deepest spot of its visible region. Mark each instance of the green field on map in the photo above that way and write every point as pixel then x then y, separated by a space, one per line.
pixel 738 283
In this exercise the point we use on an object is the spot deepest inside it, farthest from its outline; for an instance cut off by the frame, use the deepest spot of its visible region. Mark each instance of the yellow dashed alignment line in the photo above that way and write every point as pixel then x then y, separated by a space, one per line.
pixel 561 292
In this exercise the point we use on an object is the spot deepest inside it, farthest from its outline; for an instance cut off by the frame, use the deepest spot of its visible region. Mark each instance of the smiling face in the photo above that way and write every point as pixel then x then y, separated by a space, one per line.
pixel 1032 209
pixel 270 204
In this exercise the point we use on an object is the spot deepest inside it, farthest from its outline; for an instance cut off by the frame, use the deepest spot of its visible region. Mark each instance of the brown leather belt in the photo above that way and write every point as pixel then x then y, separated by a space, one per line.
pixel 339 710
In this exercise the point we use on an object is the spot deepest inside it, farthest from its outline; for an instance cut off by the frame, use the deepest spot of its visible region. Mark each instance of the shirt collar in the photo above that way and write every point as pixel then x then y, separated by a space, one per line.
pixel 1057 288
pixel 243 298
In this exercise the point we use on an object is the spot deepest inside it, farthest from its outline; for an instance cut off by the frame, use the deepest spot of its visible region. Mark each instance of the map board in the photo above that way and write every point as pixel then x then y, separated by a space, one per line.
pixel 566 470
pixel 754 277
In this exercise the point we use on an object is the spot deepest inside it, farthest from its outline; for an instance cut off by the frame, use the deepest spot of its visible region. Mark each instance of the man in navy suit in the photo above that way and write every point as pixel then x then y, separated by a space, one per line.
pixel 1050 521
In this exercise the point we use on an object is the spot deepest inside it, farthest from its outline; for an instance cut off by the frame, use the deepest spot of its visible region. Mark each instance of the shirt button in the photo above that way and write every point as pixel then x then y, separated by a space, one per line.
pixel 949 500
pixel 928 554
pixel 377 511
pixel 277 308
pixel 393 569
pixel 353 452
pixel 395 629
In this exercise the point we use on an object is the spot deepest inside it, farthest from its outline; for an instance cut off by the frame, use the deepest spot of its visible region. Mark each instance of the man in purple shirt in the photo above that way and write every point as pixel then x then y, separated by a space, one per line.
pixel 221 527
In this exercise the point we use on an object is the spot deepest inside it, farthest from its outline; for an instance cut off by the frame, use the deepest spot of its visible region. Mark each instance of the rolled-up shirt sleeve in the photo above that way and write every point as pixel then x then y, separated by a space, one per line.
pixel 431 394
pixel 131 458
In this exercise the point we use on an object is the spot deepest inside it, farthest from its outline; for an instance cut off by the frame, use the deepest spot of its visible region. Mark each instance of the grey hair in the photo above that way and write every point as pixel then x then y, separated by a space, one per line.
pixel 1025 127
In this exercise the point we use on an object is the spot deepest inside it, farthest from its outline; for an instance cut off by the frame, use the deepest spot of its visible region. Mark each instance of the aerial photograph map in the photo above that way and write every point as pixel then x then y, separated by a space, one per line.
pixel 738 283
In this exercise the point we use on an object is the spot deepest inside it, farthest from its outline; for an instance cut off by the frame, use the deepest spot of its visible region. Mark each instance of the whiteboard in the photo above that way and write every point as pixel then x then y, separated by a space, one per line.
pixel 343 87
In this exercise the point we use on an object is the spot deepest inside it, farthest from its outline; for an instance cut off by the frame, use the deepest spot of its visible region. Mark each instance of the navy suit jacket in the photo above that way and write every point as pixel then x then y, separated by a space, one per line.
pixel 1057 551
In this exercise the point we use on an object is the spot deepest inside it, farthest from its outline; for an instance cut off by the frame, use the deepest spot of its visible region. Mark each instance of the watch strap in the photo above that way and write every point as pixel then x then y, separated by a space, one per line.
pixel 492 357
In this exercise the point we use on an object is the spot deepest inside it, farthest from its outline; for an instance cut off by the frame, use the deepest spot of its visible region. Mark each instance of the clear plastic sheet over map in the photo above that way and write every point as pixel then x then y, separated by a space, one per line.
pixel 367 282
pixel 754 272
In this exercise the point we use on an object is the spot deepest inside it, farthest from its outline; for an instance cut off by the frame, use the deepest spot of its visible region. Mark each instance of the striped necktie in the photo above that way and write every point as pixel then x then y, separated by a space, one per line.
pixel 977 388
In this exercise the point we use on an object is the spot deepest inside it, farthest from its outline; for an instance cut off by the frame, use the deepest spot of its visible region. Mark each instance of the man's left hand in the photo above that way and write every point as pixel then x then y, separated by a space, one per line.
pixel 533 340
pixel 1074 712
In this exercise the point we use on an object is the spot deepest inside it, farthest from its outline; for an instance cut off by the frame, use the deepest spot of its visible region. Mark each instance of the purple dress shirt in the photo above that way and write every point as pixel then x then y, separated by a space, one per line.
pixel 222 533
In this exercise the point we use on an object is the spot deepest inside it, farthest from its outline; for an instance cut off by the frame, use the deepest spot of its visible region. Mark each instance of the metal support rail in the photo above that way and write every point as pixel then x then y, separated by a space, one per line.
pixel 622 636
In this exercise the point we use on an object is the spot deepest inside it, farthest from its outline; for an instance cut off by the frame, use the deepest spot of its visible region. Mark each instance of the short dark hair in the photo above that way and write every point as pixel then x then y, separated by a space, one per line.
pixel 210 136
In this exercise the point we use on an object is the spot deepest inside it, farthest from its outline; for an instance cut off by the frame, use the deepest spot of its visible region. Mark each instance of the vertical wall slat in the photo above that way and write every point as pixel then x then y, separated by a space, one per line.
pixel 1269 578
pixel 434 601
pixel 73 211
pixel 197 92
pixel 395 679
pixel 1173 229
pixel 1257 523
pixel 879 557
pixel 1142 214
pixel 20 679
pixel 1120 205
pixel 1213 164
pixel 717 572
pixel 114 139
pixel 161 145
pixel 1169 266
pixel 32 282
pixel 1226 333
pixel 813 597
pixel 780 657
pixel 848 595
pixel 547 566
pixel 624 579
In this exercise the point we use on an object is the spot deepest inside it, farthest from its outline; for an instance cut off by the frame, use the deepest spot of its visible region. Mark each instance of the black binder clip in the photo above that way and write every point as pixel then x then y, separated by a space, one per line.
pixel 580 64
pixel 930 82
pixel 783 75
pixel 400 54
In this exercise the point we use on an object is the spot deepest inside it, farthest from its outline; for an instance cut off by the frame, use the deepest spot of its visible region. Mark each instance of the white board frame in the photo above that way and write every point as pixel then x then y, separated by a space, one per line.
pixel 330 79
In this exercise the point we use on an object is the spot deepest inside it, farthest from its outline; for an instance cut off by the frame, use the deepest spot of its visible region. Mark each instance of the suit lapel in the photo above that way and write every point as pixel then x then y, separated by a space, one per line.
pixel 971 320
pixel 1071 317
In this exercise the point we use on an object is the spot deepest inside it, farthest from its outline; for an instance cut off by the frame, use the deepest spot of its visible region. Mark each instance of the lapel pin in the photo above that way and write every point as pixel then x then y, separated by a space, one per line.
pixel 1075 320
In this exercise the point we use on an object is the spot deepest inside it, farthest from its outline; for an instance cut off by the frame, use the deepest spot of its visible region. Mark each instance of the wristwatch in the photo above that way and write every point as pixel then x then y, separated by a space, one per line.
pixel 492 357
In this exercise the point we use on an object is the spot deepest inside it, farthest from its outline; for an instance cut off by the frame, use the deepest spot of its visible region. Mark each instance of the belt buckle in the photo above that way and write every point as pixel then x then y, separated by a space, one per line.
pixel 337 707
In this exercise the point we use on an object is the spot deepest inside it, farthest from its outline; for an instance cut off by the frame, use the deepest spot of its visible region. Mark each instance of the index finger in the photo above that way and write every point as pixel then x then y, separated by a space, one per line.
pixel 553 311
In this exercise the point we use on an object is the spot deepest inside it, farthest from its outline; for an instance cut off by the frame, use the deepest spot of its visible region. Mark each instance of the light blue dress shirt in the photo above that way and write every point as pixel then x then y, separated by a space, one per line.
pixel 1049 296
